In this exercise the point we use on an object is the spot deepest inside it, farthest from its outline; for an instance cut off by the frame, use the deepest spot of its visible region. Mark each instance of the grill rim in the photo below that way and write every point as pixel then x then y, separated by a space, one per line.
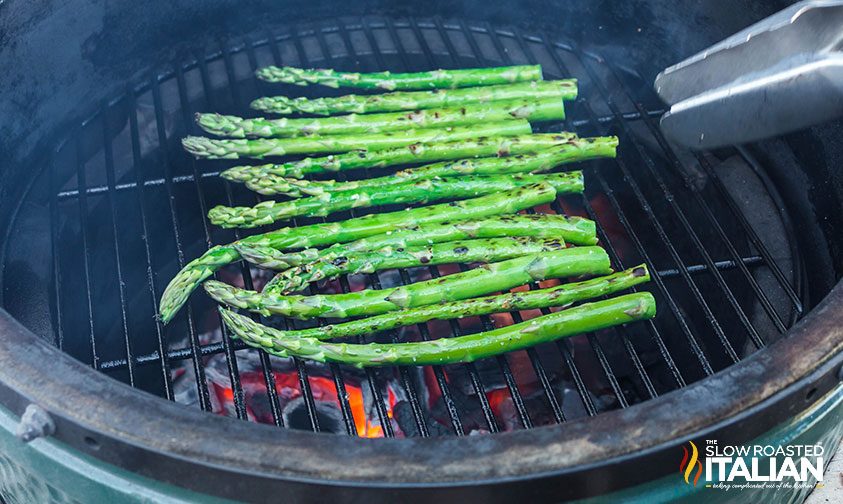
pixel 171 444
pixel 121 456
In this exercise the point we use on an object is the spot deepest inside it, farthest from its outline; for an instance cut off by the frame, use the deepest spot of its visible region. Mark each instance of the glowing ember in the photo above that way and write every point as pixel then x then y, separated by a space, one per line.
pixel 288 387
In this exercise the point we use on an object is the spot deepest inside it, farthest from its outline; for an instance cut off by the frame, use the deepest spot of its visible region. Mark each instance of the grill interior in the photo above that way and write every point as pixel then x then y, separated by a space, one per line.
pixel 119 208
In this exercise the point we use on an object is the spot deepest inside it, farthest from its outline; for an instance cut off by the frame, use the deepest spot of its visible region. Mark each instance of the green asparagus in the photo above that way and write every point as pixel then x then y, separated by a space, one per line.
pixel 436 79
pixel 576 230
pixel 211 148
pixel 423 191
pixel 575 150
pixel 508 202
pixel 581 319
pixel 560 296
pixel 417 100
pixel 415 153
pixel 467 284
pixel 548 109
pixel 465 251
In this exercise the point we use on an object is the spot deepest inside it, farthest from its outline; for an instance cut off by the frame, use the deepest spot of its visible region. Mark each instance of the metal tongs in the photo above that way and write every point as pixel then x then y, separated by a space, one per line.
pixel 779 75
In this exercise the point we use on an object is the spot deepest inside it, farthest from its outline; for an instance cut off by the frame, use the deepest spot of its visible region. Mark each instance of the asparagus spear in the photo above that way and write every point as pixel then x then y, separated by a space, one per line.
pixel 562 295
pixel 465 251
pixel 415 153
pixel 437 79
pixel 186 280
pixel 547 109
pixel 416 100
pixel 581 319
pixel 577 149
pixel 210 148
pixel 574 230
pixel 423 191
pixel 467 284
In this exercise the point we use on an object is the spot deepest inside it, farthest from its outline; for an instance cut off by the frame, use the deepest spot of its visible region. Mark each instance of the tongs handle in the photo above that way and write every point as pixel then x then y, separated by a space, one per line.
pixel 779 75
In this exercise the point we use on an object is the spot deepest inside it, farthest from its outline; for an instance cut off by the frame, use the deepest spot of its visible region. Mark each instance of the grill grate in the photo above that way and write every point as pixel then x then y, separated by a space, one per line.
pixel 720 298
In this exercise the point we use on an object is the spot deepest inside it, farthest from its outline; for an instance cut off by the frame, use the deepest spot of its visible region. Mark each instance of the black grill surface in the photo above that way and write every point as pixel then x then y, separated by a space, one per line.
pixel 120 208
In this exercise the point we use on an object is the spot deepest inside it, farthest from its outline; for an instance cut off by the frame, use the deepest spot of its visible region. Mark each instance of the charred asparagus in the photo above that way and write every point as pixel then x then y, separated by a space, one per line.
pixel 559 296
pixel 581 319
pixel 574 230
pixel 423 191
pixel 210 148
pixel 577 149
pixel 415 153
pixel 417 100
pixel 316 235
pixel 465 251
pixel 490 278
pixel 436 79
pixel 548 109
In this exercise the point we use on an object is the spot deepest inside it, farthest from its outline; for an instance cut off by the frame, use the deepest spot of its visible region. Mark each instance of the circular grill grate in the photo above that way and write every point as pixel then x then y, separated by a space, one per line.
pixel 120 208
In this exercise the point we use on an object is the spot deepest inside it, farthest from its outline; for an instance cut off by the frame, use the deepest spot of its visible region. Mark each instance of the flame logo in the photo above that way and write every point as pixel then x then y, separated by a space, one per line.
pixel 687 467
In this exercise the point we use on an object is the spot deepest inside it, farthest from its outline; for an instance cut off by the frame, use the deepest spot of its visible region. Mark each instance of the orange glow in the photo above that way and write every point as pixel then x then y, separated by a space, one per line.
pixel 288 387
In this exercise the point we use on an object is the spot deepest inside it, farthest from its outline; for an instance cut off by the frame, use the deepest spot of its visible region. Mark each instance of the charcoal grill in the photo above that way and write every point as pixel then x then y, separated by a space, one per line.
pixel 105 208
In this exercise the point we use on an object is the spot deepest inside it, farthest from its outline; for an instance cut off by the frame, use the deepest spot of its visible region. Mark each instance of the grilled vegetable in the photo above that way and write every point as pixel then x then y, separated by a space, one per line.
pixel 574 230
pixel 488 250
pixel 581 319
pixel 186 280
pixel 387 81
pixel 467 284
pixel 417 100
pixel 415 153
pixel 260 148
pixel 562 295
pixel 423 191
pixel 548 109
pixel 577 149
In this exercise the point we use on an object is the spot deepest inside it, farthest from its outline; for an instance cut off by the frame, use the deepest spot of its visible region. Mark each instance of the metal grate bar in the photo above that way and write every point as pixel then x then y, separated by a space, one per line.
pixel 371 378
pixel 471 368
pixel 607 190
pixel 86 250
pixel 245 271
pixel 502 362
pixel 204 396
pixel 564 346
pixel 266 361
pixel 73 193
pixel 651 326
pixel 336 372
pixel 680 214
pixel 536 363
pixel 439 374
pixel 404 372
pixel 504 56
pixel 238 397
pixel 55 244
pixel 121 284
pixel 406 381
pixel 304 383
pixel 150 276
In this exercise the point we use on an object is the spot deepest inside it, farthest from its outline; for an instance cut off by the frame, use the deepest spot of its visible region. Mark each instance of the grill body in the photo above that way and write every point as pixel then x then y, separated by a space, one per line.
pixel 99 187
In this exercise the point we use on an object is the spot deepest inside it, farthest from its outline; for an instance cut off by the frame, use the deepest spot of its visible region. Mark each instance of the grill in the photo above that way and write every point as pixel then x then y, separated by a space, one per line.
pixel 100 206
pixel 125 209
